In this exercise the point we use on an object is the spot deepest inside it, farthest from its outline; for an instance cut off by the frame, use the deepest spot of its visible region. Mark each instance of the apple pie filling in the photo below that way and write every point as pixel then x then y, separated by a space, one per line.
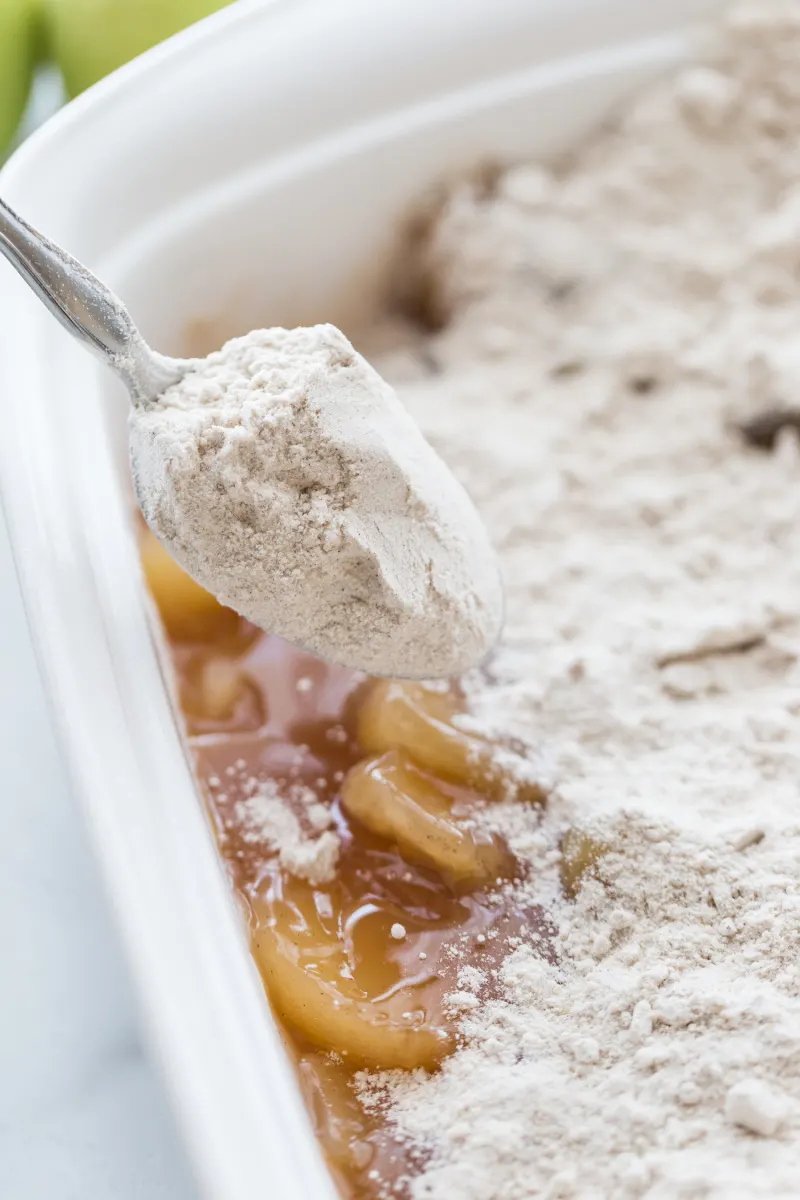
pixel 347 812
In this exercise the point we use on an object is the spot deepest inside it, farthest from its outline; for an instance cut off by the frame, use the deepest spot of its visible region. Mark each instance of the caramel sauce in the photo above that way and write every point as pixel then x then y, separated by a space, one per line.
pixel 273 713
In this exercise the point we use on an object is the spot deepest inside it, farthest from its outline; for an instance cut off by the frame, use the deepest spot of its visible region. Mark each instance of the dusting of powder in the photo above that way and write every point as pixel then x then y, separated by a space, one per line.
pixel 621 318
pixel 287 478
pixel 305 846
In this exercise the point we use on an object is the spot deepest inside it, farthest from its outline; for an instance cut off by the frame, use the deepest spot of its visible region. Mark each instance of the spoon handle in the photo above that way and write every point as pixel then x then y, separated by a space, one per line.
pixel 87 308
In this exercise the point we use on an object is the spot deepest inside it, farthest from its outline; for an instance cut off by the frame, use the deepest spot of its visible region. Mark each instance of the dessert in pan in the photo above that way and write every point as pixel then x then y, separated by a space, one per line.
pixel 532 931
pixel 519 860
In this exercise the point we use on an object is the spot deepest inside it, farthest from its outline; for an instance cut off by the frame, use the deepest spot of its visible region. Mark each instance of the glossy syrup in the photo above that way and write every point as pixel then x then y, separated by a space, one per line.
pixel 288 718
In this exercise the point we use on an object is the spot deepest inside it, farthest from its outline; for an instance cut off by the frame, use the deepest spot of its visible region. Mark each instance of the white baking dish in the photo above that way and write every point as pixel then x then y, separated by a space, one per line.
pixel 252 171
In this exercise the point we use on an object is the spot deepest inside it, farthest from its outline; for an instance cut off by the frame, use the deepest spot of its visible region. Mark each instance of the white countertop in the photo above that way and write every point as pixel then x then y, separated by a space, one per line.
pixel 82 1113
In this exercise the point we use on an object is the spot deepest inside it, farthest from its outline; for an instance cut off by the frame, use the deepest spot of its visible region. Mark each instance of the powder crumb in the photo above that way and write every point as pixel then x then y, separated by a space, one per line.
pixel 460 1001
pixel 311 859
pixel 398 931
pixel 642 306
pixel 586 1050
pixel 753 1105
pixel 750 837
pixel 267 817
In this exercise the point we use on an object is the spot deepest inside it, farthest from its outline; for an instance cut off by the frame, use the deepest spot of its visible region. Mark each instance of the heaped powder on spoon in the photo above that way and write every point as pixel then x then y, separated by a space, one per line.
pixel 287 478
pixel 619 334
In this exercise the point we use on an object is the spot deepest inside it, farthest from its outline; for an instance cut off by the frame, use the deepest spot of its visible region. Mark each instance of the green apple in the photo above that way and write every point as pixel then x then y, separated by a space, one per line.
pixel 91 38
pixel 18 53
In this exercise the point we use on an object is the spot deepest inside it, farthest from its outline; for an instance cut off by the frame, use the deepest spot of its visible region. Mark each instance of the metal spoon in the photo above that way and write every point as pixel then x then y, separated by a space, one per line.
pixel 462 615
pixel 88 309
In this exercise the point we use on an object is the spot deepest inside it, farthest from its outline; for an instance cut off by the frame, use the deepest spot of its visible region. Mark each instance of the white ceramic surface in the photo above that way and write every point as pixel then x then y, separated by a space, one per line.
pixel 307 128
pixel 82 1111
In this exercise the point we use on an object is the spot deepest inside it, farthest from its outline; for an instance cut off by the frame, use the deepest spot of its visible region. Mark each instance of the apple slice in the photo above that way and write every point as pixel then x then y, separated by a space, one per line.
pixel 189 612
pixel 421 721
pixel 331 996
pixel 397 801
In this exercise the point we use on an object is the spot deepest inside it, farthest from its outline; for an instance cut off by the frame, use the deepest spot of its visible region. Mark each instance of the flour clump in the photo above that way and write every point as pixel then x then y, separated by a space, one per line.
pixel 287 478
